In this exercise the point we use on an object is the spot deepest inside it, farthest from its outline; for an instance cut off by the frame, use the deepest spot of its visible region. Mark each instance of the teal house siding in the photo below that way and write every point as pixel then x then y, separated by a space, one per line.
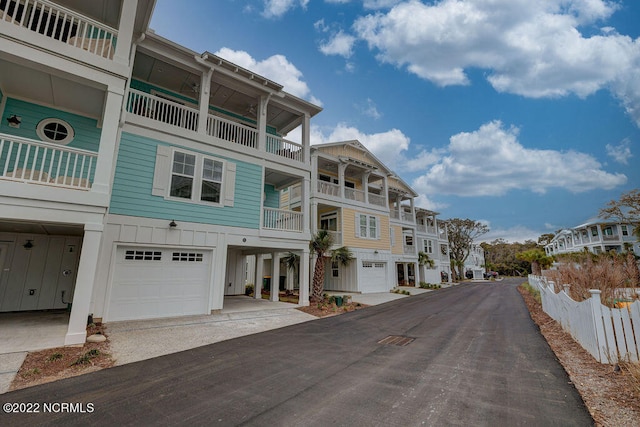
pixel 272 197
pixel 131 194
pixel 87 133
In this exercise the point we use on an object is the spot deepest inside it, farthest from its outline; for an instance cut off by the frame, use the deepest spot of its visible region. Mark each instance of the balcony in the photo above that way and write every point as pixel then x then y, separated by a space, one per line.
pixel 30 161
pixel 61 24
pixel 163 110
pixel 331 189
pixel 282 220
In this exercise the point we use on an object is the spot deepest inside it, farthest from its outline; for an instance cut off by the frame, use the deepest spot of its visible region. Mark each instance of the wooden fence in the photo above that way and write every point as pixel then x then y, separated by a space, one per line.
pixel 608 334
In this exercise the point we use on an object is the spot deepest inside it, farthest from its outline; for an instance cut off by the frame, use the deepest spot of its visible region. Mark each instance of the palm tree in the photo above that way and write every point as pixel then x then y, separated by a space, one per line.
pixel 292 261
pixel 423 259
pixel 537 258
pixel 320 244
pixel 342 256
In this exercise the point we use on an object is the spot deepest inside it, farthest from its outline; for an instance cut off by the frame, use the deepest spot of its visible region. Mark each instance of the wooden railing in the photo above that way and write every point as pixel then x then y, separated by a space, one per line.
pixel 59 23
pixel 353 194
pixel 378 200
pixel 44 163
pixel 280 219
pixel 231 131
pixel 284 148
pixel 328 188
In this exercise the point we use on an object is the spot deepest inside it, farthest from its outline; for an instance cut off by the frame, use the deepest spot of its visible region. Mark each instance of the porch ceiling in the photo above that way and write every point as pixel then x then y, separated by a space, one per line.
pixel 41 228
pixel 226 93
pixel 279 179
pixel 24 82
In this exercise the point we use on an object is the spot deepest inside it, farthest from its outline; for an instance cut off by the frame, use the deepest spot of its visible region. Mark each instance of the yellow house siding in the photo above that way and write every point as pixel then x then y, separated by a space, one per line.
pixel 350 239
pixel 397 248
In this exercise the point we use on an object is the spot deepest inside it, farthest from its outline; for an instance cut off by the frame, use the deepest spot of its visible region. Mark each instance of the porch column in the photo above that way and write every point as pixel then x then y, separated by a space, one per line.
pixel 108 139
pixel 341 168
pixel 365 185
pixel 307 214
pixel 413 210
pixel 218 280
pixel 303 293
pixel 314 217
pixel 125 31
pixel 385 191
pixel 261 117
pixel 203 101
pixel 306 139
pixel 275 277
pixel 77 330
pixel 257 293
pixel 419 270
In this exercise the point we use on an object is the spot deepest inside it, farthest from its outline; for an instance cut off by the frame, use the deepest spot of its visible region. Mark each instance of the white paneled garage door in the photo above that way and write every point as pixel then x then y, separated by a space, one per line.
pixel 159 282
pixel 373 277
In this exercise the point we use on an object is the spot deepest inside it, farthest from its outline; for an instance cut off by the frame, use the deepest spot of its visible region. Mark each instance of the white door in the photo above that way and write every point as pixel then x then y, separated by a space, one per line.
pixel 159 282
pixel 373 277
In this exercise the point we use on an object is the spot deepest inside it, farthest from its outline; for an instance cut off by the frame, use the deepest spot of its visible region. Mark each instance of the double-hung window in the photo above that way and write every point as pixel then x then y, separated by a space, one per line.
pixel 196 177
pixel 367 226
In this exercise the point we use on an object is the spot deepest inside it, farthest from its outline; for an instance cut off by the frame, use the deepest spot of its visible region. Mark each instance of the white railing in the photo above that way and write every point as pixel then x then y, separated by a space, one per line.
pixel 328 188
pixel 353 194
pixel 43 163
pixel 231 131
pixel 59 23
pixel 154 107
pixel 608 334
pixel 283 148
pixel 407 217
pixel 337 237
pixel 280 219
pixel 378 200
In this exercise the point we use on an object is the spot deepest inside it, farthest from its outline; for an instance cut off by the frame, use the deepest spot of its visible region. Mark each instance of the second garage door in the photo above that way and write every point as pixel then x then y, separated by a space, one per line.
pixel 373 277
pixel 159 282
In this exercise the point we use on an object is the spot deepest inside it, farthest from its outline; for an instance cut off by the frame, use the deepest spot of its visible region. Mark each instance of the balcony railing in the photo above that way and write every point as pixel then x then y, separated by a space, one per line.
pixel 156 108
pixel 328 188
pixel 378 200
pixel 59 23
pixel 43 163
pixel 283 148
pixel 231 131
pixel 610 237
pixel 280 219
pixel 353 194
pixel 337 237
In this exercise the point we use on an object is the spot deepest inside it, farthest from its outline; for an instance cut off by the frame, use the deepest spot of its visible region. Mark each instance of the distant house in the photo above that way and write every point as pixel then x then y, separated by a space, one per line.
pixel 596 236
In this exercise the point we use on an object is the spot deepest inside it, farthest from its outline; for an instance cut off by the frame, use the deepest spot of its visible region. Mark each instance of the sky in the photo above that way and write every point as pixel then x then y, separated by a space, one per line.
pixel 523 115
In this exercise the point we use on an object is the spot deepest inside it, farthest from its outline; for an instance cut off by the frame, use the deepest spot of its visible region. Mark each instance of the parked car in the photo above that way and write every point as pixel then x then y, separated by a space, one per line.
pixel 491 275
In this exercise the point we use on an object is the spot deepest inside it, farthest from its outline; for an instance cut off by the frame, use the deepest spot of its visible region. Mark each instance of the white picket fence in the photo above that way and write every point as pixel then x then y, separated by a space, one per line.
pixel 608 334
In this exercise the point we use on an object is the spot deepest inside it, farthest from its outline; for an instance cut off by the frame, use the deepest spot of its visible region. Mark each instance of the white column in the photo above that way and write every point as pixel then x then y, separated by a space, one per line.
pixel 307 214
pixel 306 139
pixel 341 168
pixel 125 31
pixel 257 294
pixel 77 330
pixel 108 138
pixel 365 186
pixel 203 101
pixel 261 118
pixel 303 298
pixel 218 280
pixel 275 277
pixel 385 191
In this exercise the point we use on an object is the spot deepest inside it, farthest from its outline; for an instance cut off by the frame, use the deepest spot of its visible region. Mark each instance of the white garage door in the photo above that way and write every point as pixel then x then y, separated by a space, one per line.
pixel 373 277
pixel 159 282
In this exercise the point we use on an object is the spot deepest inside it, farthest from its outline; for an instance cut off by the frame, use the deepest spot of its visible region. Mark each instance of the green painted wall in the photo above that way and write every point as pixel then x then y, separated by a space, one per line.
pixel 133 182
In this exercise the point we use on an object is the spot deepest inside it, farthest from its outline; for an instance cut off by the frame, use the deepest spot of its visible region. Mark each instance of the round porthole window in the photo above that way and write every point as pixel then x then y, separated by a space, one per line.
pixel 55 130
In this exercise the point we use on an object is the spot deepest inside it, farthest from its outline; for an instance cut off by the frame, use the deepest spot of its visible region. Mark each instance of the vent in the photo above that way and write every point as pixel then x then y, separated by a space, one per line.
pixel 397 340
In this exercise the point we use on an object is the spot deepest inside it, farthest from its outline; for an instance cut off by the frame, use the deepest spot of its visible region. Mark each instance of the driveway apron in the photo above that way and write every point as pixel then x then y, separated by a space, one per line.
pixel 466 355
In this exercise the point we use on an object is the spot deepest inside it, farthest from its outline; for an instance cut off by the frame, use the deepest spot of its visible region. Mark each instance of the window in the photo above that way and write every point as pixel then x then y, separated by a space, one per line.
pixel 367 226
pixel 408 240
pixel 142 255
pixel 335 269
pixel 196 178
pixel 55 131
pixel 428 246
pixel 329 222
pixel 187 256
pixel 625 232
pixel 594 231
pixel 349 184
pixel 444 250
pixel 607 231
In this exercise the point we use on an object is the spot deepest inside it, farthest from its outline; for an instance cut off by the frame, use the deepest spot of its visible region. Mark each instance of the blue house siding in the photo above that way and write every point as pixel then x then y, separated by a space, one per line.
pixel 87 134
pixel 133 183
pixel 272 197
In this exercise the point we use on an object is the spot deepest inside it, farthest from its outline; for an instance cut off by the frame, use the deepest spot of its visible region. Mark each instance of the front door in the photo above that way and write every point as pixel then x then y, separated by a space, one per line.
pixel 400 270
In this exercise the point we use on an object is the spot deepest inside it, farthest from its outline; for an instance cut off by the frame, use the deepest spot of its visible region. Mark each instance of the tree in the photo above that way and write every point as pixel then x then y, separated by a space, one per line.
pixel 627 209
pixel 320 244
pixel 537 258
pixel 462 233
pixel 292 261
pixel 424 259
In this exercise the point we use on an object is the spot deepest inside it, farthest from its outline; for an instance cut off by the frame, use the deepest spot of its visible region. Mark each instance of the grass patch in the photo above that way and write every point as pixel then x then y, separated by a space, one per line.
pixel 533 291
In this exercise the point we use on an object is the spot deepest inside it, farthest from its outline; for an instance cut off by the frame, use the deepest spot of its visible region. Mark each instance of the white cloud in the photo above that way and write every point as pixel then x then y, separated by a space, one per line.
pixel 340 44
pixel 621 153
pixel 530 48
pixel 370 109
pixel 278 8
pixel 276 68
pixel 514 234
pixel 389 147
pixel 490 162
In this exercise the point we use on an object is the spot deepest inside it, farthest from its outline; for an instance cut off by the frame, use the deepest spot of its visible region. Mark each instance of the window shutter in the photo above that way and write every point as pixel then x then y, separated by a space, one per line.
pixel 357 225
pixel 378 233
pixel 392 235
pixel 229 183
pixel 162 172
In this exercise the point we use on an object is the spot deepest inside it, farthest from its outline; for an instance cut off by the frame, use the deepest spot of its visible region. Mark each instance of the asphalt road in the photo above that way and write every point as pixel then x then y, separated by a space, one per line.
pixel 476 359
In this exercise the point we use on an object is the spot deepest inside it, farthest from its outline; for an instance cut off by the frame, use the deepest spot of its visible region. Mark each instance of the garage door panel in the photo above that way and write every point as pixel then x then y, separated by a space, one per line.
pixel 373 277
pixel 160 285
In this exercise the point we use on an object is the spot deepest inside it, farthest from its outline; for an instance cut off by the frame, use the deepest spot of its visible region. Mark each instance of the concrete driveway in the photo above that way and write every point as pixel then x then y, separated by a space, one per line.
pixel 472 357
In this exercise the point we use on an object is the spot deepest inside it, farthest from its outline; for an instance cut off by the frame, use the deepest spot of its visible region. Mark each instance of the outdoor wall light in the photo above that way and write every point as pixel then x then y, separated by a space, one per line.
pixel 28 245
pixel 173 224
pixel 14 121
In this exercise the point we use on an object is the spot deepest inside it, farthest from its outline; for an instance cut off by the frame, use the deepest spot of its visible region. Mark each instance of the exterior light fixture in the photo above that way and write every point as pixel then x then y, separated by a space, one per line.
pixel 28 245
pixel 14 121
pixel 173 224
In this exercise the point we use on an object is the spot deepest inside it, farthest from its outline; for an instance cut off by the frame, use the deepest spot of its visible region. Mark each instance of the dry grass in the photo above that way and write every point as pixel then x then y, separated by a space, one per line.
pixel 616 275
